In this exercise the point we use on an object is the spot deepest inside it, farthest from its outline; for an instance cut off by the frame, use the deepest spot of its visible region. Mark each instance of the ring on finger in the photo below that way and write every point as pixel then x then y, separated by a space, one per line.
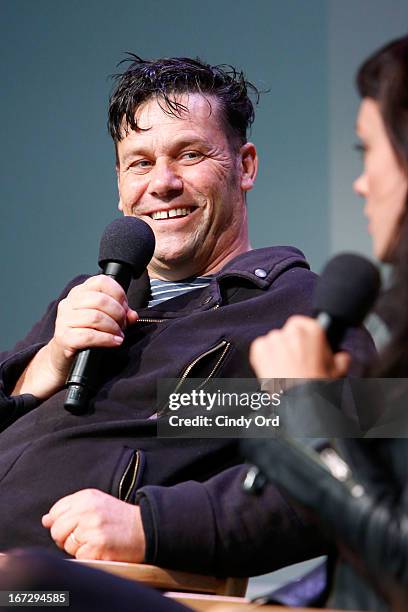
pixel 74 539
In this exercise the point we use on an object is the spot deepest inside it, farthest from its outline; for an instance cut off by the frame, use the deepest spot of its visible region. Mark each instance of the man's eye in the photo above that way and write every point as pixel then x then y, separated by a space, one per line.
pixel 191 155
pixel 141 165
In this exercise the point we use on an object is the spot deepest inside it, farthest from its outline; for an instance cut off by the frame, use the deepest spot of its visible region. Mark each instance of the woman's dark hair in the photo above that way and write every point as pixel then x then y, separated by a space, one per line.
pixel 384 78
pixel 162 78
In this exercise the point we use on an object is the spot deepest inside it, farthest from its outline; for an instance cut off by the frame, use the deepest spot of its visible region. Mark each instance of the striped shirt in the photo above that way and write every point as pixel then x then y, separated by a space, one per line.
pixel 165 290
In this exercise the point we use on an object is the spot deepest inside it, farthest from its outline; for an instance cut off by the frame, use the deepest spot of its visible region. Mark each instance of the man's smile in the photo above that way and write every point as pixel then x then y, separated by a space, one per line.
pixel 172 213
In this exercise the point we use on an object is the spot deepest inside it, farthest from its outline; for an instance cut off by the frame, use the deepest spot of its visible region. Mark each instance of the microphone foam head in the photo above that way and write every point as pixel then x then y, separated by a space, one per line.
pixel 127 240
pixel 347 288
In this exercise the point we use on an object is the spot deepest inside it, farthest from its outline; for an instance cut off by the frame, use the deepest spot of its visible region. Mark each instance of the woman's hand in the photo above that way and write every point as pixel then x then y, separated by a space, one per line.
pixel 298 350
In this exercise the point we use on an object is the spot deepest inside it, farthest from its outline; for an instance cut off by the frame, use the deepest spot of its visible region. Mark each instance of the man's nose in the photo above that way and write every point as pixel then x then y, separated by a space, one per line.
pixel 164 180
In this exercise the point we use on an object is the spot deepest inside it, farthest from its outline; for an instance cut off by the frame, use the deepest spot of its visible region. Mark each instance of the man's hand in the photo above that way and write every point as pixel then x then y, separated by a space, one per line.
pixel 92 315
pixel 298 350
pixel 91 524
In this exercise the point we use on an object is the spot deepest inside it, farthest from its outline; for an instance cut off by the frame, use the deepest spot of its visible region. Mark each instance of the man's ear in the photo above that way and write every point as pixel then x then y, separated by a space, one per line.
pixel 249 165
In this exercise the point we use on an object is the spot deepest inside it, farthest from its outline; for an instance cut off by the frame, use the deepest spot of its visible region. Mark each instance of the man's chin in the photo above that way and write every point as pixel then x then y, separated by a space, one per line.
pixel 176 265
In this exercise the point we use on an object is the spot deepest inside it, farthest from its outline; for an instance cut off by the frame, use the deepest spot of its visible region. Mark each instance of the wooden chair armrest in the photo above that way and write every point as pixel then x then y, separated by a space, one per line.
pixel 171 580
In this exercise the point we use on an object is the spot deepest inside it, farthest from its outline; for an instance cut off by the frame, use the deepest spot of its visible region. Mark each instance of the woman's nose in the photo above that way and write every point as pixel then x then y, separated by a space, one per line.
pixel 360 185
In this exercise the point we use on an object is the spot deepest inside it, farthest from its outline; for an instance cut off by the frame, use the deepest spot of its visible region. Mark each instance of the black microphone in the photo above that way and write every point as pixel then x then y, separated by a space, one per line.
pixel 126 247
pixel 345 293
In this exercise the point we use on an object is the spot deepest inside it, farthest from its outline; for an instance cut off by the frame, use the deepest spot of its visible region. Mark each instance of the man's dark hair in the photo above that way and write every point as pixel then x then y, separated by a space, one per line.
pixel 162 78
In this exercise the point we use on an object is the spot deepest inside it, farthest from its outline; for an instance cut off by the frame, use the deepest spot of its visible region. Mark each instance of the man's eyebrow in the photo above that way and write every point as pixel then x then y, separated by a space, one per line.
pixel 187 141
pixel 177 144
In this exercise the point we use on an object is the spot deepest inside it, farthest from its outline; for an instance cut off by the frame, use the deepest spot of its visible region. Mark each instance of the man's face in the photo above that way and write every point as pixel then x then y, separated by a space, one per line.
pixel 184 178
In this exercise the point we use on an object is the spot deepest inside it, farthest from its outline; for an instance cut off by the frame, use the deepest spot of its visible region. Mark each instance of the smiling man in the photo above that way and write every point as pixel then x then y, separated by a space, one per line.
pixel 103 485
pixel 186 175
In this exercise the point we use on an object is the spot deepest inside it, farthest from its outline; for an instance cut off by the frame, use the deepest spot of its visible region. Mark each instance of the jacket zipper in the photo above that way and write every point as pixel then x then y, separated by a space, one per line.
pixel 163 320
pixel 188 369
pixel 135 459
pixel 150 320
pixel 223 343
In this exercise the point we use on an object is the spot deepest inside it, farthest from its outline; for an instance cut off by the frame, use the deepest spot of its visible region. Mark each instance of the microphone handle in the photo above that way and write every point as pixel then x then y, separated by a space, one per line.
pixel 80 383
pixel 120 272
pixel 334 329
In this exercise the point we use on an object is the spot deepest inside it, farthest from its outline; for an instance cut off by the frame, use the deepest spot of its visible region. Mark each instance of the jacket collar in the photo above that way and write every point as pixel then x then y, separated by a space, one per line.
pixel 259 266
pixel 262 266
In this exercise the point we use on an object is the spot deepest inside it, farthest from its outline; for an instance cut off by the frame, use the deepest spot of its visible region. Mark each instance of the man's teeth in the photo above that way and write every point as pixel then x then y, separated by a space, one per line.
pixel 174 212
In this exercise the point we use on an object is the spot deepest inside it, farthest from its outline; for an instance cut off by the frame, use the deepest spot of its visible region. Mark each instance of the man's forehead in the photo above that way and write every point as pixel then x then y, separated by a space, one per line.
pixel 191 109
